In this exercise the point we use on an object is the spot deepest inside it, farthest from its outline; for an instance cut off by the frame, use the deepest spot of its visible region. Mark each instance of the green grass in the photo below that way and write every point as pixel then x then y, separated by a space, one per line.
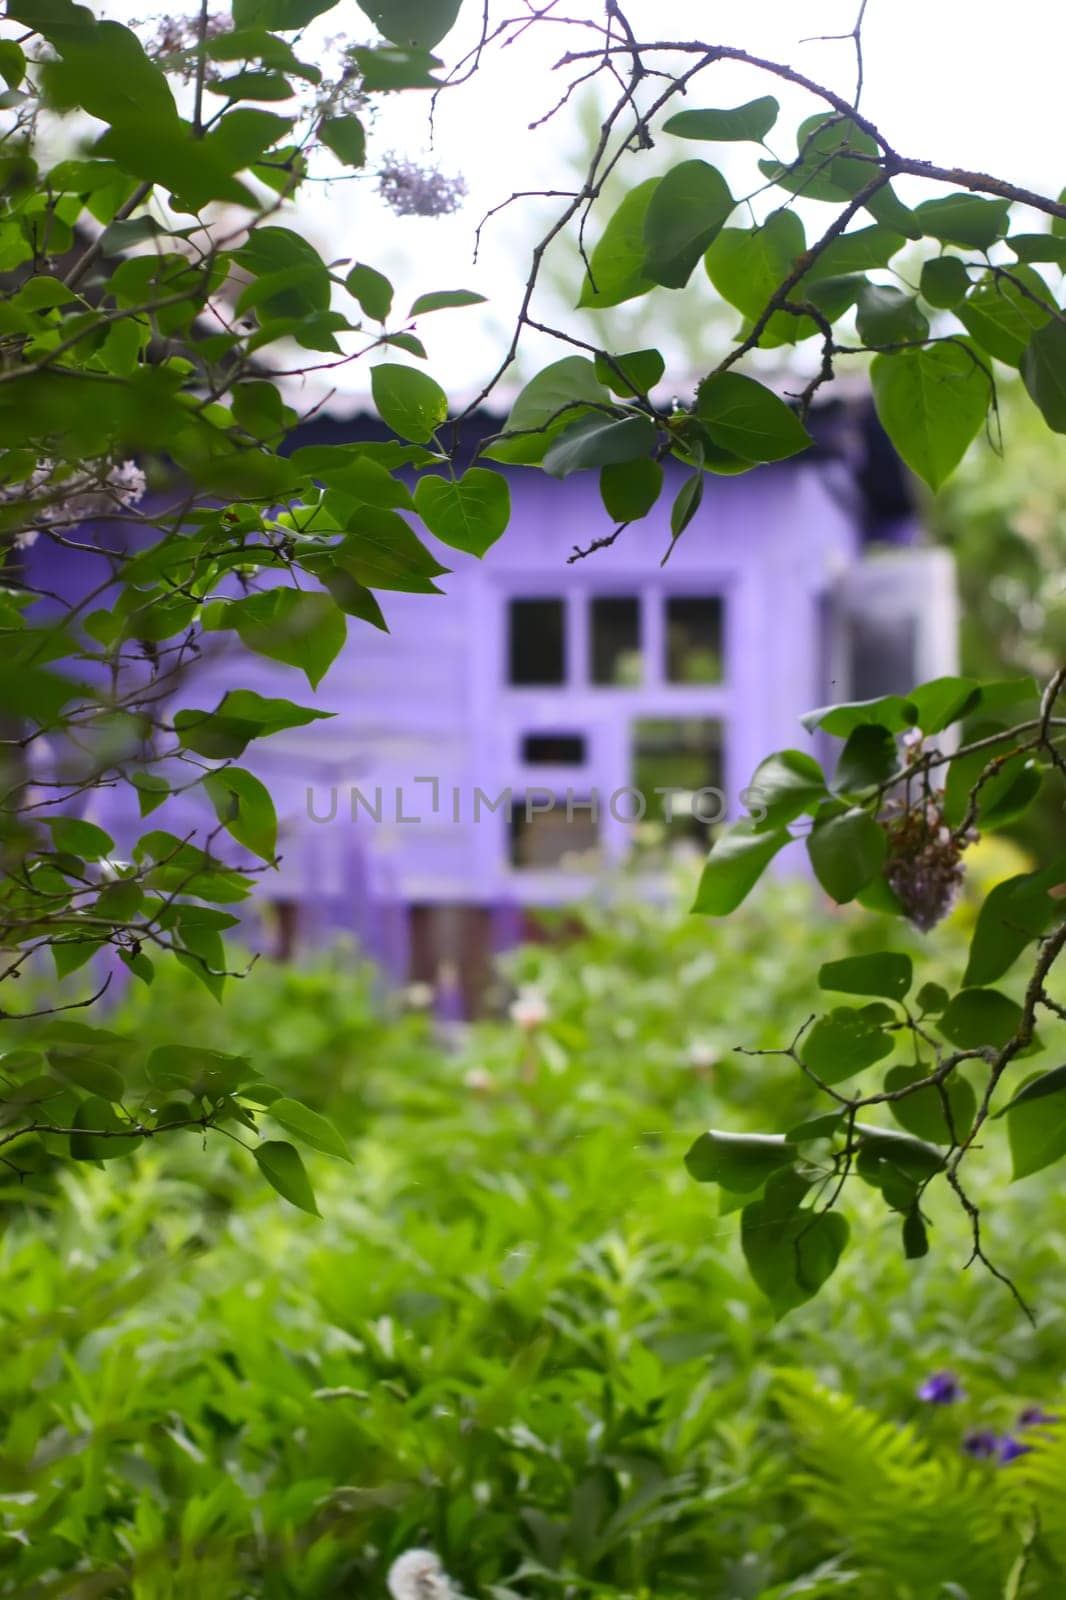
pixel 520 1334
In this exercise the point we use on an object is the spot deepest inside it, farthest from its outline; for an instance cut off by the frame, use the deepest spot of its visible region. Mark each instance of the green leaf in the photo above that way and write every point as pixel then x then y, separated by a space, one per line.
pixel 915 1237
pixel 290 625
pixel 616 265
pixel 420 23
pixel 556 395
pixel 856 251
pixel 887 973
pixel 686 504
pixel 886 315
pixel 630 488
pixel 963 219
pixel 944 281
pixel 372 290
pixel 790 1251
pixel 388 68
pixel 890 711
pixel 1036 1123
pixel 309 1127
pixel 632 374
pixel 826 168
pixel 931 403
pixel 151 789
pixel 80 838
pixel 468 514
pixel 346 138
pixel 685 212
pixel 408 401
pixel 1044 373
pixel 737 861
pixel 382 552
pixel 848 1040
pixel 740 1162
pixel 96 1116
pixel 12 63
pixel 869 758
pixel 1013 914
pixel 745 417
pixel 442 299
pixel 282 1166
pixel 783 786
pixel 1038 247
pixel 599 441
pixel 922 1112
pixel 931 999
pixel 943 701
pixel 753 121
pixel 746 266
pixel 846 852
pixel 244 807
pixel 80 1067
pixel 1002 315
pixel 241 715
pixel 980 1019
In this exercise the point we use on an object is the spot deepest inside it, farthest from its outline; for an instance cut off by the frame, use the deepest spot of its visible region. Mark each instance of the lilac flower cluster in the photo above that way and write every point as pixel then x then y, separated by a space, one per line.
pixel 944 1389
pixel 924 866
pixel 175 43
pixel 98 489
pixel 419 191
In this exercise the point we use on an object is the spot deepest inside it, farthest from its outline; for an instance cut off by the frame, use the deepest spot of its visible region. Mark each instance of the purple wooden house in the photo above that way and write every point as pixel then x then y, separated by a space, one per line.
pixel 503 748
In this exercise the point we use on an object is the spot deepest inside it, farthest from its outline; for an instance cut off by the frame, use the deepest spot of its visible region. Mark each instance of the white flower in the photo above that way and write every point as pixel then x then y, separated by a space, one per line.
pixel 418 1575
pixel 530 1009
pixel 702 1055
pixel 478 1079
pixel 99 489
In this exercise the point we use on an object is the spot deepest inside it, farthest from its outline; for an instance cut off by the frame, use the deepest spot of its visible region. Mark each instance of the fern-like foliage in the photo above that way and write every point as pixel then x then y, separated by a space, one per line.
pixel 919 1525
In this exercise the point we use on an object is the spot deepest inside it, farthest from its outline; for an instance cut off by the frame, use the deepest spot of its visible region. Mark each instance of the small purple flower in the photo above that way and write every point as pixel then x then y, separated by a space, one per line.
pixel 1010 1448
pixel 982 1444
pixel 941 1389
pixel 1037 1417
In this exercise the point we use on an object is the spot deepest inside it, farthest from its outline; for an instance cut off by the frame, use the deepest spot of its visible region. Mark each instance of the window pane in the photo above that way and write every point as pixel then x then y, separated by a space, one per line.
pixel 543 839
pixel 694 639
pixel 536 644
pixel 683 753
pixel 615 640
pixel 553 750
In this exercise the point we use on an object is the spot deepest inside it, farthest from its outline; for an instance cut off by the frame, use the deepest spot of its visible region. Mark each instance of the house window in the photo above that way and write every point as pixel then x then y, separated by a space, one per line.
pixel 693 636
pixel 553 750
pixel 536 649
pixel 563 834
pixel 684 755
pixel 614 640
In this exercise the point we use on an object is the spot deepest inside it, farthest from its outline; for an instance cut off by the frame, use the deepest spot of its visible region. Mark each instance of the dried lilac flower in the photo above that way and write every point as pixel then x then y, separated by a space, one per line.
pixel 175 43
pixel 98 489
pixel 923 865
pixel 417 191
pixel 982 1444
pixel 418 1575
pixel 941 1389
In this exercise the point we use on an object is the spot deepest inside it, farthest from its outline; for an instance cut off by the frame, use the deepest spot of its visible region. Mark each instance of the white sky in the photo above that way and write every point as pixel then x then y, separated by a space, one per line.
pixel 976 84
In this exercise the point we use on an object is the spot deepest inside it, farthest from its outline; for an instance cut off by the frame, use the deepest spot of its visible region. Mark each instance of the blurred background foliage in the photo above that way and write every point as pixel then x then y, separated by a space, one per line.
pixel 521 1335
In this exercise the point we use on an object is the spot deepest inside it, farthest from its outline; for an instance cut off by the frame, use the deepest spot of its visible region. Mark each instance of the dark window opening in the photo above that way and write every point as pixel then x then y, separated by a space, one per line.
pixel 694 639
pixel 882 656
pixel 615 640
pixel 562 835
pixel 553 750
pixel 536 643
pixel 683 754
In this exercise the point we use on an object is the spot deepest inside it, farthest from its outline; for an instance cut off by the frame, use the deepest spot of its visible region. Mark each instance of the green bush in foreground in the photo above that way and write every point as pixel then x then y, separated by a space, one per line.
pixel 519 1336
